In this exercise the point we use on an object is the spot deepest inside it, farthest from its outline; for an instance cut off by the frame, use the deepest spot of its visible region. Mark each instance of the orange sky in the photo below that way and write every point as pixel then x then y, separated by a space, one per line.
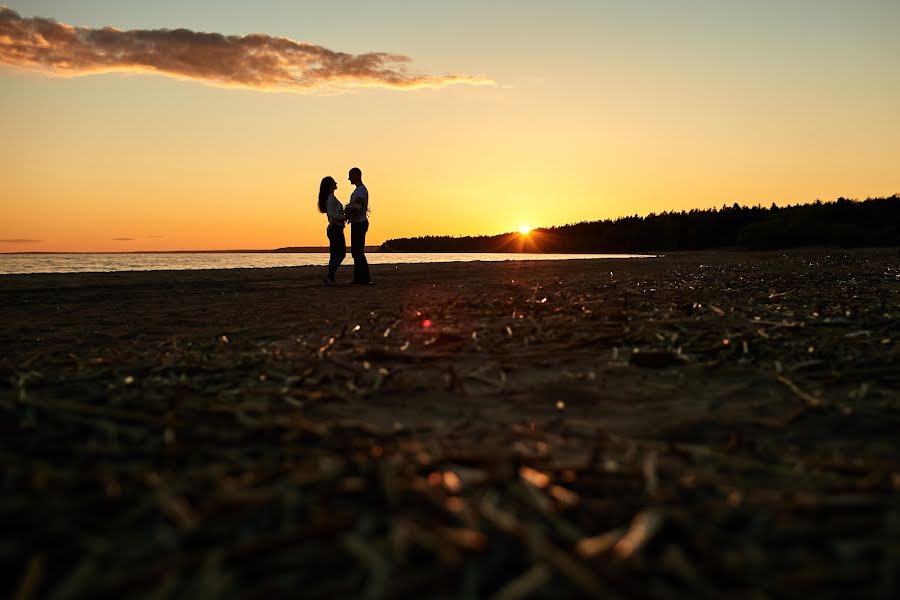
pixel 595 111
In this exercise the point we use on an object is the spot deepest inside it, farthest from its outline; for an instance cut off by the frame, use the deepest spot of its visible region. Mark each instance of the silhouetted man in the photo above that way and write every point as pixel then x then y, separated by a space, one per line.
pixel 359 225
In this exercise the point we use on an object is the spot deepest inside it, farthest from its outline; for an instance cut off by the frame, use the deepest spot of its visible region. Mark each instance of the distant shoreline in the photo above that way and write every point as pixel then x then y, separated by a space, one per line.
pixel 297 250
pixel 306 250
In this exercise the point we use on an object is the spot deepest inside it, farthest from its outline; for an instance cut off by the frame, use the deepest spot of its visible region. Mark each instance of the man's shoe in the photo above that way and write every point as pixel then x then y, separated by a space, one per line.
pixel 328 282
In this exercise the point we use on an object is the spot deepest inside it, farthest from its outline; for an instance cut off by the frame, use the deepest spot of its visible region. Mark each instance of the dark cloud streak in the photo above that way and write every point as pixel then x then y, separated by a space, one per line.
pixel 255 61
pixel 20 241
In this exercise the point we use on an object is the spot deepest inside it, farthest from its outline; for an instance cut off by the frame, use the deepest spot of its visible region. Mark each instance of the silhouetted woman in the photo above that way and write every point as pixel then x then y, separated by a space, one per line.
pixel 334 210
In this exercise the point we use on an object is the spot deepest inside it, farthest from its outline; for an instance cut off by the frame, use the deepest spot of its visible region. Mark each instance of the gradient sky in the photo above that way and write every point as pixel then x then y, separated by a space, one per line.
pixel 599 109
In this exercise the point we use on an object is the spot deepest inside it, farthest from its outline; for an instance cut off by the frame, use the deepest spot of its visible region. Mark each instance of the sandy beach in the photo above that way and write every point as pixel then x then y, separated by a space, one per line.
pixel 700 424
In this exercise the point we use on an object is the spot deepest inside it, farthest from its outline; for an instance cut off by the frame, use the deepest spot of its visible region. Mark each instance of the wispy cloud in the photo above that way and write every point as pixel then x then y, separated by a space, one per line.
pixel 19 241
pixel 255 61
pixel 155 236
pixel 123 239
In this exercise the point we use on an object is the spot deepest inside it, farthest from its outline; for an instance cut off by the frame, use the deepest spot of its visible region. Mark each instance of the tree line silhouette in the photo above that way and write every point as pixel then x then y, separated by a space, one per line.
pixel 844 223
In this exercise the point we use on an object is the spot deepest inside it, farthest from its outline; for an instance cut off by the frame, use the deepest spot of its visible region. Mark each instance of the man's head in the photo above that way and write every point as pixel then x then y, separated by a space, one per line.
pixel 355 176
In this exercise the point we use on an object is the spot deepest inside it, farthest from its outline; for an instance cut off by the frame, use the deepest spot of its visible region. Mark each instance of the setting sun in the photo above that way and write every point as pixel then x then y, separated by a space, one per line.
pixel 524 229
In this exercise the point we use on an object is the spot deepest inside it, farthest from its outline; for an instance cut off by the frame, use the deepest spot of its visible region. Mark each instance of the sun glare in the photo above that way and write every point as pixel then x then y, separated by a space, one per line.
pixel 524 229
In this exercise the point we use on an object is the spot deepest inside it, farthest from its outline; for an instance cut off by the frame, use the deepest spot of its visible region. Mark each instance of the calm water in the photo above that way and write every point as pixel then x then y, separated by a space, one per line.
pixel 82 263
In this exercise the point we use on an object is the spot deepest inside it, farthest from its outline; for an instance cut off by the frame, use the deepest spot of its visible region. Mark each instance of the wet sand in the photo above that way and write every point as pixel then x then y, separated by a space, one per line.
pixel 734 402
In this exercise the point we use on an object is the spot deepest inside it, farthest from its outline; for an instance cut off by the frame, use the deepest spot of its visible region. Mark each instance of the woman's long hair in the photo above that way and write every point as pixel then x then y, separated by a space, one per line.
pixel 325 189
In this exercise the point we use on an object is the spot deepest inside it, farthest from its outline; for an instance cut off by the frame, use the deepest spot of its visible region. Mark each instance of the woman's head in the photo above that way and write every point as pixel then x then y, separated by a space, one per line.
pixel 326 188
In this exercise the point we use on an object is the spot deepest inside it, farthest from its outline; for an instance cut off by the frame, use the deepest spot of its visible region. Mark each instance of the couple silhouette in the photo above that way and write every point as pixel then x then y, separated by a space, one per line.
pixel 357 213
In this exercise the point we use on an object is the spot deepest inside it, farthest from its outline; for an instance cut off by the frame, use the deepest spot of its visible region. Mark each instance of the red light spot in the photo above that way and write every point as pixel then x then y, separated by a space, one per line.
pixel 427 323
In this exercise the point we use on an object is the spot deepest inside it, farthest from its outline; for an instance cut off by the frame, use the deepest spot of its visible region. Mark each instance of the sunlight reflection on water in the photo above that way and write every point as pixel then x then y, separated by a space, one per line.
pixel 86 263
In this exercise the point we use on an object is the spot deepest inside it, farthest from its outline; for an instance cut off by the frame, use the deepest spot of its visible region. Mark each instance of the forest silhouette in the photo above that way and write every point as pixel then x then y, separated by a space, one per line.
pixel 843 223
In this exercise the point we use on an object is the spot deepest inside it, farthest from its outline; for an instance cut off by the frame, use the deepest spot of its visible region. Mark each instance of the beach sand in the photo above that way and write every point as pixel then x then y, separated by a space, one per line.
pixel 695 424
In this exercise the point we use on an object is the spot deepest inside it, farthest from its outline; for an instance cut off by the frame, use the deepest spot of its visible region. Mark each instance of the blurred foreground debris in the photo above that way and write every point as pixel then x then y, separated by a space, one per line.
pixel 703 427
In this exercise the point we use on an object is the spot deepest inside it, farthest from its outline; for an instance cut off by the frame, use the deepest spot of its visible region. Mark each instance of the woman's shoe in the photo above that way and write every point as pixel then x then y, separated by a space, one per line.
pixel 327 281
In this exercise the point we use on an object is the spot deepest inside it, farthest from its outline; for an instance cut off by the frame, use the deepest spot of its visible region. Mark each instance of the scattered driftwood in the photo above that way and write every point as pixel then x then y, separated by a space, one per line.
pixel 234 465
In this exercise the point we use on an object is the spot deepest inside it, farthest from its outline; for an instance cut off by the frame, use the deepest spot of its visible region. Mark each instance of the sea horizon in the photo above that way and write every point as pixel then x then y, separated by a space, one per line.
pixel 100 262
pixel 297 250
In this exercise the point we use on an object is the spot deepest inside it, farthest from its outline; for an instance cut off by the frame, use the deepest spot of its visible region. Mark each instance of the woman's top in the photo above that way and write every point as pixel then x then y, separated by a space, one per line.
pixel 335 210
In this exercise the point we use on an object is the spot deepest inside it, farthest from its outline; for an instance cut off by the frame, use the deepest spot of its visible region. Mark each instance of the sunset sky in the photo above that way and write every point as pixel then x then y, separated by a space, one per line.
pixel 506 113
